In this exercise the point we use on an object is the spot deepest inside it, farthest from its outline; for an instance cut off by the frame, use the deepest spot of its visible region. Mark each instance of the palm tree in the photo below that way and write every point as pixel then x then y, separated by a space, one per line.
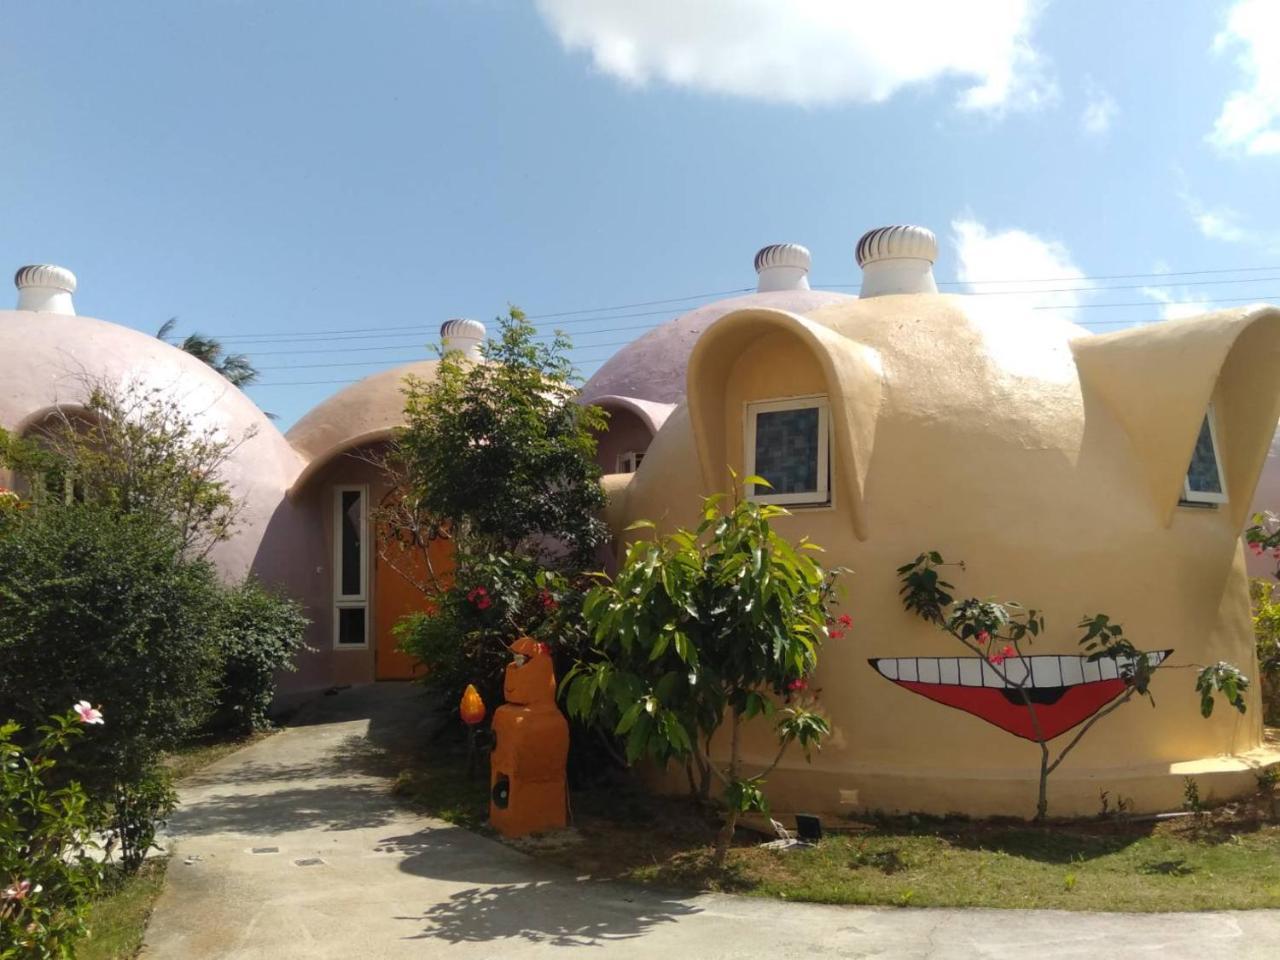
pixel 234 366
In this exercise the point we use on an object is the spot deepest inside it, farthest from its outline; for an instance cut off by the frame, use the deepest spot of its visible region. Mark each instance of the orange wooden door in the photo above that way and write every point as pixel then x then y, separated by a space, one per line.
pixel 396 594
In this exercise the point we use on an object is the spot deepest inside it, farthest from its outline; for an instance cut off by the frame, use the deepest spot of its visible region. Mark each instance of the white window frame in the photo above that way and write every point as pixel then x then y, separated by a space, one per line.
pixel 347 601
pixel 752 409
pixel 629 462
pixel 1204 496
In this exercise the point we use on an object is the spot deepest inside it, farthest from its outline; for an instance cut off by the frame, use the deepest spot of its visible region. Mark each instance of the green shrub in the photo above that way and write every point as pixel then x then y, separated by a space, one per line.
pixel 102 605
pixel 1266 631
pixel 46 874
pixel 702 628
pixel 261 632
pixel 493 601
pixel 140 806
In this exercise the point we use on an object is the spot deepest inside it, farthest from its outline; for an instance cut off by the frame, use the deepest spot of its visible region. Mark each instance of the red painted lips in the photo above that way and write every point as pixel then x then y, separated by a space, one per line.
pixel 1066 690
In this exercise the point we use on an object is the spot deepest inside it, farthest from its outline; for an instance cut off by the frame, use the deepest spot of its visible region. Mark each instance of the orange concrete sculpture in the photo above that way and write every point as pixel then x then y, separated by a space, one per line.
pixel 526 779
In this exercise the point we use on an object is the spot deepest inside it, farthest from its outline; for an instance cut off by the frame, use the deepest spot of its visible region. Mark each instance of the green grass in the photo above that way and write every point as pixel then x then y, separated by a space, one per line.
pixel 205 749
pixel 118 919
pixel 1228 859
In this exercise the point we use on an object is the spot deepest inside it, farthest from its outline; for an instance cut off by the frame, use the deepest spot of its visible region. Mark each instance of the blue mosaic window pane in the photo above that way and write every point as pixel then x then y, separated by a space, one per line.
pixel 787 450
pixel 1202 475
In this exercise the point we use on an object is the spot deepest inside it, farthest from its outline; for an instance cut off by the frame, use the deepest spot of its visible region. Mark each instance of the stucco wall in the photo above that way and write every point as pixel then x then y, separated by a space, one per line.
pixel 960 432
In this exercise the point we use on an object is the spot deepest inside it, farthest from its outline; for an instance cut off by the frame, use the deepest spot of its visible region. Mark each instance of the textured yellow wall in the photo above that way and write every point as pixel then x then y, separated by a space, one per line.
pixel 1042 456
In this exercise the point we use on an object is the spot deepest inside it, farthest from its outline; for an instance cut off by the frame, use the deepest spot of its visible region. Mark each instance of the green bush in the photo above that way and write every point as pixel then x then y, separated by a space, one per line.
pixel 1266 631
pixel 46 874
pixel 493 601
pixel 102 605
pixel 261 632
pixel 706 627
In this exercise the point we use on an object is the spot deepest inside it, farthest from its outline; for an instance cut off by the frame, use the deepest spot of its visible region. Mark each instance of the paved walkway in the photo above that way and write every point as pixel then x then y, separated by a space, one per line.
pixel 294 848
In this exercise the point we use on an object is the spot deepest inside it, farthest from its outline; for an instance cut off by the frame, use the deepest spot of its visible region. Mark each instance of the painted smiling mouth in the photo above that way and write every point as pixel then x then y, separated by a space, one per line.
pixel 1066 690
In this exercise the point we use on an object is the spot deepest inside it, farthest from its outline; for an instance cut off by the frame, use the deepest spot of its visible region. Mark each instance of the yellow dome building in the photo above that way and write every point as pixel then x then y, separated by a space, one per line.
pixel 1075 473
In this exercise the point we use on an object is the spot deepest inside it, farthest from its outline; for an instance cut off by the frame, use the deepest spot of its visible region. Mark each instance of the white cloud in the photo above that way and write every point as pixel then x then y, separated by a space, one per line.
pixel 1250 117
pixel 1227 225
pixel 1175 306
pixel 813 51
pixel 1045 277
pixel 1099 112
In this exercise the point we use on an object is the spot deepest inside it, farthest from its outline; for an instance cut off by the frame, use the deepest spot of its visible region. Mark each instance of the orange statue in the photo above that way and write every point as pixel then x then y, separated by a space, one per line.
pixel 526 778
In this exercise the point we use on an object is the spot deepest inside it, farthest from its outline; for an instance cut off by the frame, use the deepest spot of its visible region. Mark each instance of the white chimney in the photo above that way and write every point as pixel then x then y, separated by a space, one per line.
pixel 464 335
pixel 783 266
pixel 897 260
pixel 47 288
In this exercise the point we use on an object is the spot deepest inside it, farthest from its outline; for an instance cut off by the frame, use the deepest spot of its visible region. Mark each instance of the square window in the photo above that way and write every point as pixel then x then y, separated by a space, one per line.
pixel 1204 482
pixel 787 443
pixel 351 627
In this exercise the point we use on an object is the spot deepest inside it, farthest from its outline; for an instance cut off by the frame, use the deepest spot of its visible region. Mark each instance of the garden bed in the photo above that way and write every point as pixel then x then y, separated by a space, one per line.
pixel 1225 858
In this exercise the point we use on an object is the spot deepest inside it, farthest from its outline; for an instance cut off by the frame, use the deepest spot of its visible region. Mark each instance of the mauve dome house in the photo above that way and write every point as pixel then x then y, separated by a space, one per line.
pixel 47 353
pixel 644 381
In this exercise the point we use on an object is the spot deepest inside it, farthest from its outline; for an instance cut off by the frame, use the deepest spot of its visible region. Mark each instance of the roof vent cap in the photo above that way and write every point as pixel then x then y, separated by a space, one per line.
pixel 45 287
pixel 783 266
pixel 897 259
pixel 464 335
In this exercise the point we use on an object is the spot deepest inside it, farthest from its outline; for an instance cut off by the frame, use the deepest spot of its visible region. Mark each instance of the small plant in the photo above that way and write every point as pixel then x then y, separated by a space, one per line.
pixel 140 807
pixel 1191 801
pixel 1069 882
pixel 47 873
pixel 702 627
pixel 1267 781
pixel 999 633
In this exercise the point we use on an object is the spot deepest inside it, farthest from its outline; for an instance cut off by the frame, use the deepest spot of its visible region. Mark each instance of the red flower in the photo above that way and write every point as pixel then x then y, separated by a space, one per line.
pixel 1003 655
pixel 835 634
pixel 846 620
pixel 1256 547
pixel 480 597
pixel 797 685
pixel 547 600
pixel 983 636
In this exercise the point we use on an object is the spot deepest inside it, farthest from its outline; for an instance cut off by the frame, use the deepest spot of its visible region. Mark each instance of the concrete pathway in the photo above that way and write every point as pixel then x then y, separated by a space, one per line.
pixel 294 848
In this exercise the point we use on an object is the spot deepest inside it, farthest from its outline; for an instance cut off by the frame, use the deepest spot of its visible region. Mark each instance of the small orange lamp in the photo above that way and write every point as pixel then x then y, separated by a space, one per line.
pixel 472 706
pixel 527 766
pixel 471 709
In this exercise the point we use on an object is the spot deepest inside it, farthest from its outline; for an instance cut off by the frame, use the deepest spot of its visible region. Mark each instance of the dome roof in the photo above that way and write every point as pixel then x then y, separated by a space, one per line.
pixel 364 412
pixel 46 359
pixel 653 366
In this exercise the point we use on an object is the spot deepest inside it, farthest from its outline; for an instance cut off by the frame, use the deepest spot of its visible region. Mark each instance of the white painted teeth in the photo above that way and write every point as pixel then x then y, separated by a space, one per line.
pixel 1046 671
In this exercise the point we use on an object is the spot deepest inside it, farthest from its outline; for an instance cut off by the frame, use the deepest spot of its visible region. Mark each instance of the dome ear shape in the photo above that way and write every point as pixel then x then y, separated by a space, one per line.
pixel 1159 380
pixel 853 375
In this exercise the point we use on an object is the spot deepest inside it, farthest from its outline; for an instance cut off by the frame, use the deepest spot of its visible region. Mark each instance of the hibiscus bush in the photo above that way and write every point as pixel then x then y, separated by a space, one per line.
pixel 494 599
pixel 47 873
pixel 103 605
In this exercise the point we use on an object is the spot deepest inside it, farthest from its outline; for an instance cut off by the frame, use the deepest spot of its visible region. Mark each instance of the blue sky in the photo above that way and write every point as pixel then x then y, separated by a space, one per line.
pixel 267 171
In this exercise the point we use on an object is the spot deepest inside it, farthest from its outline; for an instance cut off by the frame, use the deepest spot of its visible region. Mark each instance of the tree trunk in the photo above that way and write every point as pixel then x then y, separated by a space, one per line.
pixel 1042 803
pixel 725 838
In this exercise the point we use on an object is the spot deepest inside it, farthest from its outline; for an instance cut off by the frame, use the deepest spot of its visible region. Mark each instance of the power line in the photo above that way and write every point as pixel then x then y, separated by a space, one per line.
pixel 601 313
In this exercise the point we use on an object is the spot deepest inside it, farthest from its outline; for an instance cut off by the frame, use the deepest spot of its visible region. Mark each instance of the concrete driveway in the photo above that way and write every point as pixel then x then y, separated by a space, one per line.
pixel 295 848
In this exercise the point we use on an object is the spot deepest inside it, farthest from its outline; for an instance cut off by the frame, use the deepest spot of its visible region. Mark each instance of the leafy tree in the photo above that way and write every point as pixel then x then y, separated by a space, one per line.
pixel 497 459
pixel 499 454
pixel 134 449
pixel 719 621
pixel 1000 633
pixel 234 366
